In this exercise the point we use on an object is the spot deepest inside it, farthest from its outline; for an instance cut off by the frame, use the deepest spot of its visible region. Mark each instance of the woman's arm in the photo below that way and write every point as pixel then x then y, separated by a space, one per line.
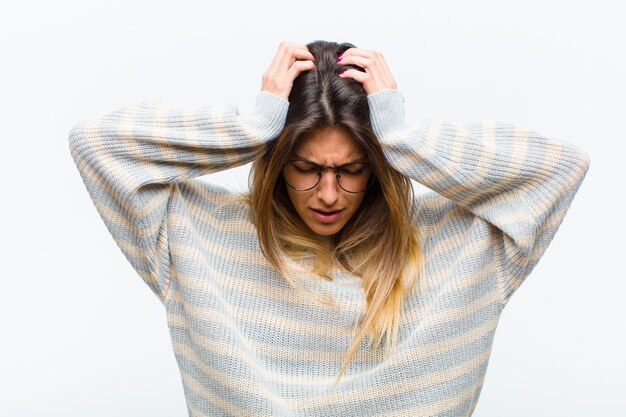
pixel 131 160
pixel 518 180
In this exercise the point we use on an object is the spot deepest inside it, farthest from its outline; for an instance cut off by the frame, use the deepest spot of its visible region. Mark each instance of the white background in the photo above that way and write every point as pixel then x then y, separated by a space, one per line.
pixel 82 335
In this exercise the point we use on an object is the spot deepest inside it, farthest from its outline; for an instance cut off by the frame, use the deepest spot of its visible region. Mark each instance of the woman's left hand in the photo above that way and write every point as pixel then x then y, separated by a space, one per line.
pixel 376 77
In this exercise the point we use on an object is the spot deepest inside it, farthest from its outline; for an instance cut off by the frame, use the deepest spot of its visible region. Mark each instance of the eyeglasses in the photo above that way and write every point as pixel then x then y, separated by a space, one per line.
pixel 303 175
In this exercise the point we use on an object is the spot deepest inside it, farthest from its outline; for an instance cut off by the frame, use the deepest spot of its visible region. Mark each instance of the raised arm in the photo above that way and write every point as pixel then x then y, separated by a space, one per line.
pixel 518 180
pixel 132 159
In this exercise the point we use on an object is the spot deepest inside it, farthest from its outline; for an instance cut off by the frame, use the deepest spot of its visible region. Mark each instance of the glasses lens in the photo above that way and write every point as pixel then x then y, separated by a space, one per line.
pixel 354 177
pixel 302 175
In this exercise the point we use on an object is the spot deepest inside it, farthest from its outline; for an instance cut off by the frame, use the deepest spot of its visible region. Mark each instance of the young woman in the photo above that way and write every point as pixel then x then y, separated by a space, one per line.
pixel 330 288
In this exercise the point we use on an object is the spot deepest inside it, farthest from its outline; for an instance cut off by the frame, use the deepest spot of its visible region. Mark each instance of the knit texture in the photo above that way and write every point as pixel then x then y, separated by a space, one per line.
pixel 247 343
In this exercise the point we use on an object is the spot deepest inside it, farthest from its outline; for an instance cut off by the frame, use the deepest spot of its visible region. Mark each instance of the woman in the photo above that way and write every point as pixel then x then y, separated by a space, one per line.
pixel 329 289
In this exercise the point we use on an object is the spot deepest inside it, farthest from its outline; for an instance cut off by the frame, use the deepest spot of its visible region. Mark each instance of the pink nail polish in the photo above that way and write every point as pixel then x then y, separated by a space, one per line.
pixel 341 72
pixel 339 59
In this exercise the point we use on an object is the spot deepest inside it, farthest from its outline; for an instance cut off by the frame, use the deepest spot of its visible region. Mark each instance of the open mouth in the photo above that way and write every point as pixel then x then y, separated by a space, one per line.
pixel 326 216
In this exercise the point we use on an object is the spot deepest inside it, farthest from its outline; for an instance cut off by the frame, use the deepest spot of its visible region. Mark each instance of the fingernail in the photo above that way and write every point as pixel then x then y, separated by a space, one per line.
pixel 341 72
pixel 339 59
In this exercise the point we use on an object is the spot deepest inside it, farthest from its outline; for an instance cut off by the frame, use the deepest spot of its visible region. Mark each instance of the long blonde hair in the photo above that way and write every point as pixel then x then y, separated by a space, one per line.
pixel 380 242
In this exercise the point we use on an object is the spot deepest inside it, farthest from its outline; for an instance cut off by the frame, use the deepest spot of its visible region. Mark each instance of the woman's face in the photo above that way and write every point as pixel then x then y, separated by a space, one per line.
pixel 326 208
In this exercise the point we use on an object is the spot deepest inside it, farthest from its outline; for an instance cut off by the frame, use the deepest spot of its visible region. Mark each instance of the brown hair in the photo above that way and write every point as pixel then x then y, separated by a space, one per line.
pixel 380 242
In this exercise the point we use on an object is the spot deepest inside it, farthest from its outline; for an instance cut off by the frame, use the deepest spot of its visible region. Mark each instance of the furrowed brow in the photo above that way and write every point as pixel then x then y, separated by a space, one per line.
pixel 360 159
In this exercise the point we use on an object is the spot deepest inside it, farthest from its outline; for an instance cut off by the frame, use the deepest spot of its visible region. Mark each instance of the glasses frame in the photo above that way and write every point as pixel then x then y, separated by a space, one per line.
pixel 322 168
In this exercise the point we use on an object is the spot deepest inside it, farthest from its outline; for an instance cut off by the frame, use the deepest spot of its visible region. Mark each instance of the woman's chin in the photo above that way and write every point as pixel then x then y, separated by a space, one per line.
pixel 325 230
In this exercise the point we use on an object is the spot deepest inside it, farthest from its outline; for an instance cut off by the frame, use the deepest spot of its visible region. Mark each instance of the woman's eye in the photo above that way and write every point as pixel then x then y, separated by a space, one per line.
pixel 304 168
pixel 353 170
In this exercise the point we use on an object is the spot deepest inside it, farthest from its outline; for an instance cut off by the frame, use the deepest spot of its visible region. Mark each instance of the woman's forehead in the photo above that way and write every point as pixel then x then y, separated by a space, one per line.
pixel 329 142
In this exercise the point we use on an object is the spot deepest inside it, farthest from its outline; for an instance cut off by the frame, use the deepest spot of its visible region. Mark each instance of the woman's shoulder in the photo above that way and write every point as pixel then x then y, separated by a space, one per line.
pixel 430 203
pixel 216 200
pixel 435 213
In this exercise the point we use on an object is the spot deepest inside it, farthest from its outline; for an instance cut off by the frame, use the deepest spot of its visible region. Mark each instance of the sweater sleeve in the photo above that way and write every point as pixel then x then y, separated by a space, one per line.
pixel 131 160
pixel 517 180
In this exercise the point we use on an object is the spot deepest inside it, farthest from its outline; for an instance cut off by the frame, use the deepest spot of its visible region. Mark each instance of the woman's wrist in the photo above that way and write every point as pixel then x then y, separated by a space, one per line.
pixel 386 112
pixel 270 114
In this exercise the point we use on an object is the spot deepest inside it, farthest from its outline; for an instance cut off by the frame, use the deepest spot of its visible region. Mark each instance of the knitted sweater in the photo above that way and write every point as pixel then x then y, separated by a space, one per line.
pixel 249 344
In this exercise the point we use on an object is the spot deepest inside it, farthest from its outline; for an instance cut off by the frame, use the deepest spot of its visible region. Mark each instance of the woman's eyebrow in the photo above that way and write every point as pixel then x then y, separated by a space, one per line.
pixel 360 159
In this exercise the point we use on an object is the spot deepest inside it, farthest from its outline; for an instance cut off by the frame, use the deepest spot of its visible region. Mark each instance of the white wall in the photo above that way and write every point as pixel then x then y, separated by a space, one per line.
pixel 81 333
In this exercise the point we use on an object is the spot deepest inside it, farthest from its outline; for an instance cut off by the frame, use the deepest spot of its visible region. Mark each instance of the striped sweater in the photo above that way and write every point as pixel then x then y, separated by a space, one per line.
pixel 247 343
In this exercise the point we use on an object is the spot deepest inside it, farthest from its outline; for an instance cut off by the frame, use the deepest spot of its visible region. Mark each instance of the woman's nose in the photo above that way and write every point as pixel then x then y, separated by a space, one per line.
pixel 328 188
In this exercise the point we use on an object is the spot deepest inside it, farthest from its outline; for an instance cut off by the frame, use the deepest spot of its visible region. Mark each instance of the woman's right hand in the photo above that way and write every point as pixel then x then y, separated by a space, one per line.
pixel 291 59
